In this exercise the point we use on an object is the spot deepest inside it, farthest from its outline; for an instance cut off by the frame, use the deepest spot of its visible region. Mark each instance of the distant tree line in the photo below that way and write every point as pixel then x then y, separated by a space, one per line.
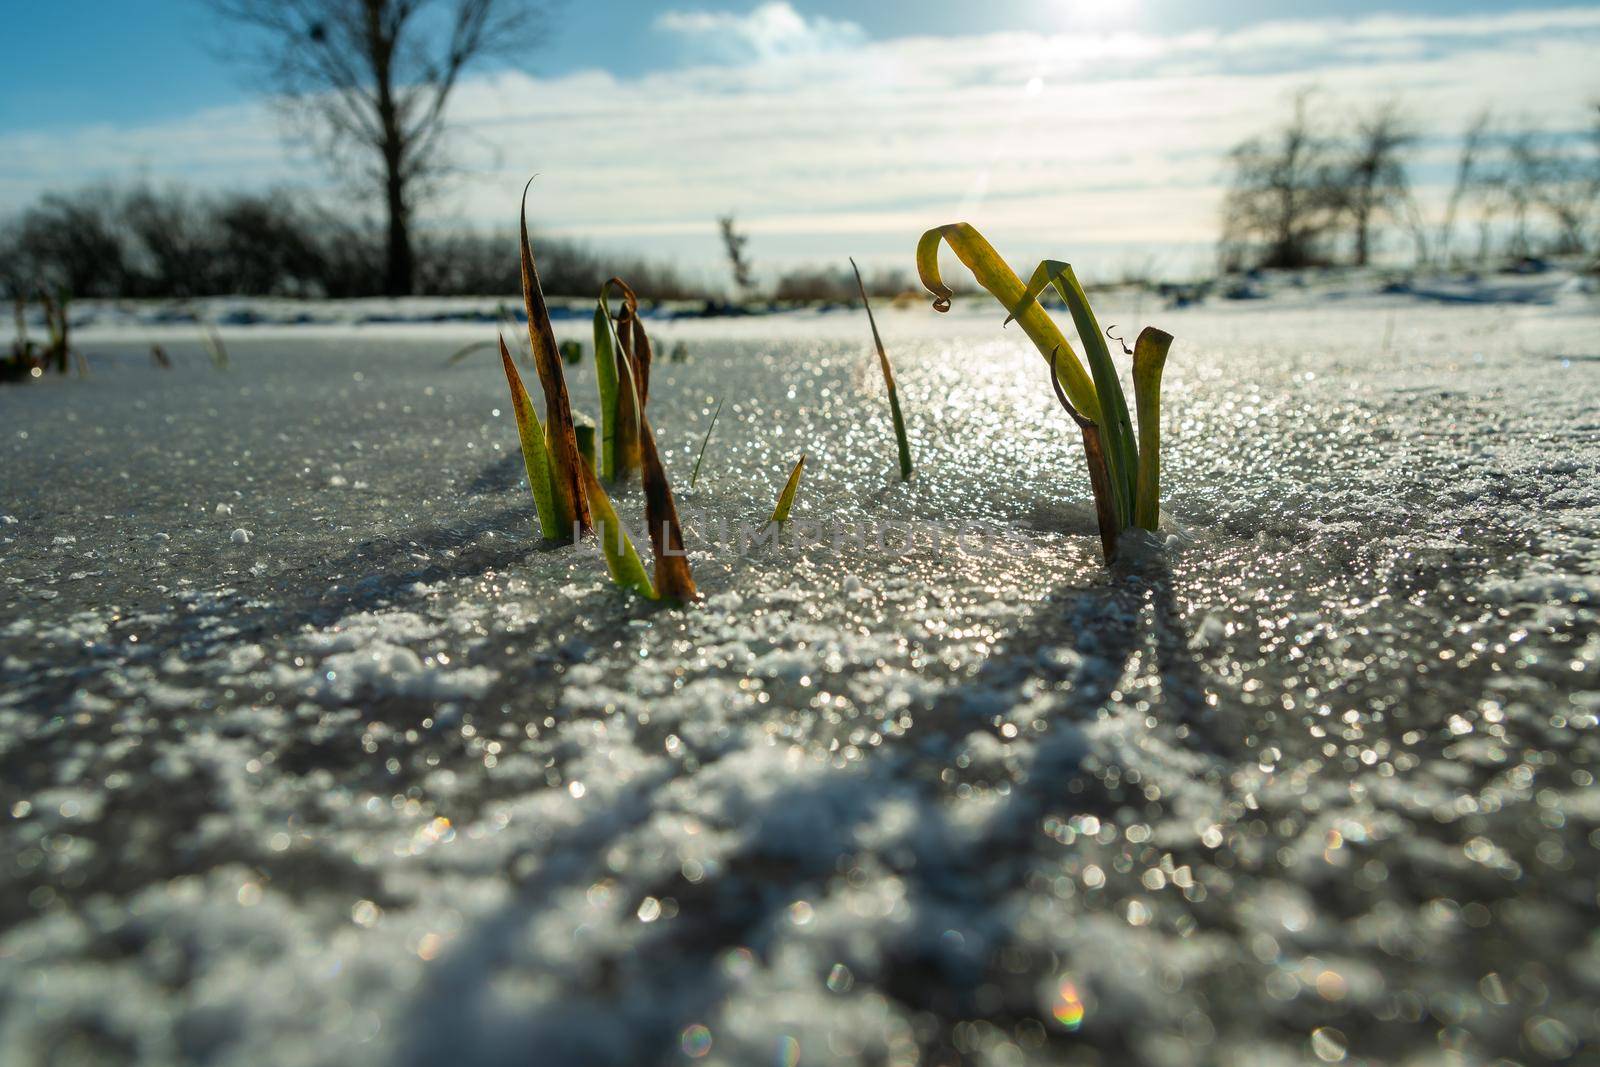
pixel 170 243
pixel 1314 192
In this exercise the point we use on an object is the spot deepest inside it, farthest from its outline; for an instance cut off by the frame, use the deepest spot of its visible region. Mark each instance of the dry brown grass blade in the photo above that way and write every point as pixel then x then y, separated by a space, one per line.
pixel 1094 453
pixel 901 443
pixel 568 473
pixel 672 577
pixel 55 320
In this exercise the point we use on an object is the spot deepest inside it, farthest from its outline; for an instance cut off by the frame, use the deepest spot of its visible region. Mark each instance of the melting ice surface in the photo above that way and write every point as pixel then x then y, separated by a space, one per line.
pixel 384 781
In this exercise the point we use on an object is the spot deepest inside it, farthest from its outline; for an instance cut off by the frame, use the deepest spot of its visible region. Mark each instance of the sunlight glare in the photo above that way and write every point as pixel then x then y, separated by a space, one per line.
pixel 1094 14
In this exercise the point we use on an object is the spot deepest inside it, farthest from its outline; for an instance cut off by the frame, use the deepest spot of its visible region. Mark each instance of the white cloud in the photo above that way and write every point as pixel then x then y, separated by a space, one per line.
pixel 772 31
pixel 1117 149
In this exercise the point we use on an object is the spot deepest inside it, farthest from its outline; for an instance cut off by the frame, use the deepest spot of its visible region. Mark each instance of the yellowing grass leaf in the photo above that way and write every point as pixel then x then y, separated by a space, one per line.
pixel 626 568
pixel 995 275
pixel 780 514
pixel 554 524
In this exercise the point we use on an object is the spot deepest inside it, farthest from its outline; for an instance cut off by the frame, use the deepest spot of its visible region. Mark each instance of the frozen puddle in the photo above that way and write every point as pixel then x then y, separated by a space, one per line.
pixel 385 781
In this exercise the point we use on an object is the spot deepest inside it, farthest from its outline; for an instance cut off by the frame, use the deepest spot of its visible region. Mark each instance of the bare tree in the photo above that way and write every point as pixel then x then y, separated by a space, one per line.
pixel 371 79
pixel 733 243
pixel 1375 177
pixel 1515 178
pixel 67 242
pixel 1472 142
pixel 1285 197
pixel 1536 173
pixel 1562 183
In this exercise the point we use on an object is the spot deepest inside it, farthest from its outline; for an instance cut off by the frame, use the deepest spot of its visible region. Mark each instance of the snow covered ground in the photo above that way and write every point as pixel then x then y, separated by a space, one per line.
pixel 385 781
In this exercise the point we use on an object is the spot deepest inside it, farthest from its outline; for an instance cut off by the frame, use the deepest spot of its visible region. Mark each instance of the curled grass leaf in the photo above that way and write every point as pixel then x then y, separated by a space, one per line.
pixel 780 513
pixel 555 524
pixel 888 381
pixel 1149 359
pixel 995 275
pixel 1124 471
pixel 694 475
pixel 567 479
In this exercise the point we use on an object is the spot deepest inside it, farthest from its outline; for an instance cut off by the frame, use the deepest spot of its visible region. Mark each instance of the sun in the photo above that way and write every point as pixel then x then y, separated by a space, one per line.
pixel 1094 14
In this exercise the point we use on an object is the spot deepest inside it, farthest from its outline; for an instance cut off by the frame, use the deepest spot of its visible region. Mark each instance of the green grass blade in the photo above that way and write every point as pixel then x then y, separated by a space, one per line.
pixel 1115 427
pixel 694 475
pixel 633 370
pixel 554 523
pixel 584 432
pixel 605 377
pixel 622 560
pixel 630 399
pixel 622 354
pixel 888 381
pixel 1149 358
pixel 780 514
pixel 995 275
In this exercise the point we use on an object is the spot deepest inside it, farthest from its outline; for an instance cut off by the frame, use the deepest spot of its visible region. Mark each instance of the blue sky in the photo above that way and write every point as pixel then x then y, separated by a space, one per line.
pixel 1093 129
pixel 82 61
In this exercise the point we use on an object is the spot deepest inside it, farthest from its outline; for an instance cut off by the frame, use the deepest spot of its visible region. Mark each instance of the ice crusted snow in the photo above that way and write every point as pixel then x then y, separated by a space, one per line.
pixel 402 786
